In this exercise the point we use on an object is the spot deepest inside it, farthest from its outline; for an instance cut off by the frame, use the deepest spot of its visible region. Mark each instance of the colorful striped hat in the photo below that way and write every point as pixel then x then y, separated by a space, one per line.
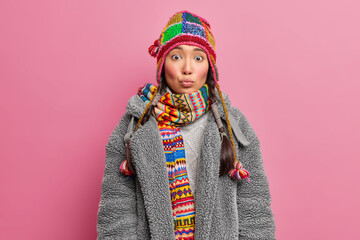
pixel 189 29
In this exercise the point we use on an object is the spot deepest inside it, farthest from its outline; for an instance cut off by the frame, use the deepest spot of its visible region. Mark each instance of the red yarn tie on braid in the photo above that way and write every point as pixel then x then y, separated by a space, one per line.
pixel 124 169
pixel 154 49
pixel 239 172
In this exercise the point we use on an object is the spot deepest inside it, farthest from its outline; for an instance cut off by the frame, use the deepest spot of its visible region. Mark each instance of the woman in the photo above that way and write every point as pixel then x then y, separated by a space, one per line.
pixel 183 163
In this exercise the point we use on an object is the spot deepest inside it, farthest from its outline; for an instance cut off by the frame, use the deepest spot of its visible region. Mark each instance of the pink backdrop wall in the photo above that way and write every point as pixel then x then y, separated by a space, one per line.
pixel 67 69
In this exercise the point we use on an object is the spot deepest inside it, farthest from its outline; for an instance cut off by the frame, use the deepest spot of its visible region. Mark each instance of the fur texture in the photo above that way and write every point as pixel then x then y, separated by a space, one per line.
pixel 140 207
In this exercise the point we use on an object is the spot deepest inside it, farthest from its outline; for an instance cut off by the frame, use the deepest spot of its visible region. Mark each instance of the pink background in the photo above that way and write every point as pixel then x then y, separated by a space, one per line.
pixel 67 69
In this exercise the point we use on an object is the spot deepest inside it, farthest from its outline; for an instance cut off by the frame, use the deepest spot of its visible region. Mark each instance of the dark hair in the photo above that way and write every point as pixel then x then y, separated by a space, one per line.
pixel 227 151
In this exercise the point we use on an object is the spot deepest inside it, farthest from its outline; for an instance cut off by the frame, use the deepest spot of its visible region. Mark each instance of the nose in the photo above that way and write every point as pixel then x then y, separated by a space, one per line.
pixel 187 68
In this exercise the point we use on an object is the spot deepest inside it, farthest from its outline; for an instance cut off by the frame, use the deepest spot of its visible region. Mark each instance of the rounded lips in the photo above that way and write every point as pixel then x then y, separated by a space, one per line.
pixel 187 80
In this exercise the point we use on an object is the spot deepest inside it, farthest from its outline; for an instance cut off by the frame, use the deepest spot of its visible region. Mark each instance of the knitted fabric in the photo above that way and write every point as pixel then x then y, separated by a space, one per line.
pixel 184 28
pixel 193 135
pixel 171 112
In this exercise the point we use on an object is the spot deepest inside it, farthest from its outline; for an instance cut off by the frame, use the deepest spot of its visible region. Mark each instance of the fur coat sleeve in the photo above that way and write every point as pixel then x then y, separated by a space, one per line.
pixel 256 220
pixel 117 217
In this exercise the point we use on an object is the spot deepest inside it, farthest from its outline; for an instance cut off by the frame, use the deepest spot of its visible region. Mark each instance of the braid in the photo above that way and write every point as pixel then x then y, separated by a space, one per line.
pixel 227 148
pixel 227 119
pixel 211 83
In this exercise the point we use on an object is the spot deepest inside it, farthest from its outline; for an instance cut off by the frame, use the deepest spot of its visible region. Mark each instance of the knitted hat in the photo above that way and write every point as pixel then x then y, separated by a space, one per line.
pixel 184 28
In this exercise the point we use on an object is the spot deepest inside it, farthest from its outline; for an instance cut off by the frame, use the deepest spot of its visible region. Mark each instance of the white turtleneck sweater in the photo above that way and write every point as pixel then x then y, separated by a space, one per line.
pixel 193 134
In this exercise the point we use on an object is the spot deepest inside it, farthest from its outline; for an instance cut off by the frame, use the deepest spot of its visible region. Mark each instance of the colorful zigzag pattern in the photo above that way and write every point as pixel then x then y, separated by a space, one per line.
pixel 171 112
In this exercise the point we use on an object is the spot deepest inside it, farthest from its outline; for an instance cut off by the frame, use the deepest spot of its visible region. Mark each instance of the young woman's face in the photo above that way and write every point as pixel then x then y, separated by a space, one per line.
pixel 186 68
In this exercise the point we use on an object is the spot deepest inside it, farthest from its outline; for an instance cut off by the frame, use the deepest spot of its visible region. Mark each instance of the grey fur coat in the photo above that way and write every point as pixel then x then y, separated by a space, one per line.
pixel 140 207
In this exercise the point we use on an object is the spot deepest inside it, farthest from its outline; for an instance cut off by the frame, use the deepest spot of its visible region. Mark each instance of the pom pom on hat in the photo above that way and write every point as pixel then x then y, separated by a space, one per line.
pixel 154 49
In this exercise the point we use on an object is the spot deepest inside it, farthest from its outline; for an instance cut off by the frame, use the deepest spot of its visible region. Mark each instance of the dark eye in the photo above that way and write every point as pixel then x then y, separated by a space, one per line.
pixel 199 58
pixel 175 57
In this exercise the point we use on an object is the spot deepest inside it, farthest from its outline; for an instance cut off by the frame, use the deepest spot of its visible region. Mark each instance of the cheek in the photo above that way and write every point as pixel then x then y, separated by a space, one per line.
pixel 170 71
pixel 203 72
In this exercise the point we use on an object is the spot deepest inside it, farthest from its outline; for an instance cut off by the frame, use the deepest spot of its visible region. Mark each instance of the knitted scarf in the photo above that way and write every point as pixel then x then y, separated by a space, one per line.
pixel 171 112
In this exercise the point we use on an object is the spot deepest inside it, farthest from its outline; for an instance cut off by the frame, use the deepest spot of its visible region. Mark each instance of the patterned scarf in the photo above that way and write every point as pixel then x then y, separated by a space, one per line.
pixel 171 112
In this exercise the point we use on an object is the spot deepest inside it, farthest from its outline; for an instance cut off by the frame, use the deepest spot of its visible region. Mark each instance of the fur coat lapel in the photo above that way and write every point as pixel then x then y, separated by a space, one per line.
pixel 149 160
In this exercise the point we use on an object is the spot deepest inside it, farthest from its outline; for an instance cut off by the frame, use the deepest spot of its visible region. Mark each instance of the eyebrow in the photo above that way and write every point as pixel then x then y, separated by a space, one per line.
pixel 195 49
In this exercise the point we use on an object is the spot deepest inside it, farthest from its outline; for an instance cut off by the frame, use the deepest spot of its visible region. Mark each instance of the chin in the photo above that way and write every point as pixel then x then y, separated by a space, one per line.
pixel 186 90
